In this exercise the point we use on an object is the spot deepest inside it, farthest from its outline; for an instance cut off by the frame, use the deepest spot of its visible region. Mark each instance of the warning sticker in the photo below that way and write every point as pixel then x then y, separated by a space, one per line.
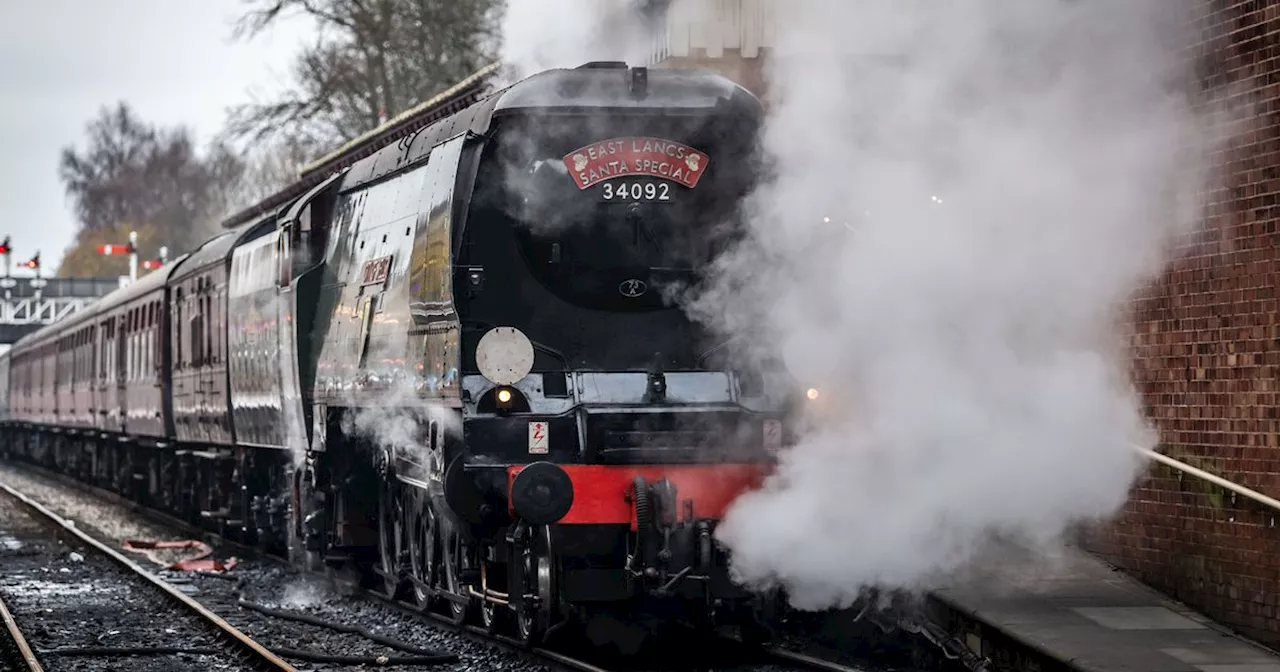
pixel 773 435
pixel 636 157
pixel 539 441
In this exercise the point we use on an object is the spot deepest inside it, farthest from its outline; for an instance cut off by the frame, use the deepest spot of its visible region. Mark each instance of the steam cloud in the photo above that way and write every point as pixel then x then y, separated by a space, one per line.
pixel 544 34
pixel 964 196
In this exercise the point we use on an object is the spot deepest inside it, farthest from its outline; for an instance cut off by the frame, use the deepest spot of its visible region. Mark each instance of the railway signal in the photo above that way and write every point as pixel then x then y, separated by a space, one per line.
pixel 112 250
pixel 153 264
pixel 7 250
pixel 131 249
pixel 33 263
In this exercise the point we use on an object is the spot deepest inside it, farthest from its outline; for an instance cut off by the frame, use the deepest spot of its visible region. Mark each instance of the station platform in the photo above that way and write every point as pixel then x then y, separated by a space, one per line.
pixel 1072 608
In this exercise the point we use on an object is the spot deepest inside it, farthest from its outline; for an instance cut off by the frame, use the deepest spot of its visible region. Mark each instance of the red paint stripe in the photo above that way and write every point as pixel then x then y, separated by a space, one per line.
pixel 601 492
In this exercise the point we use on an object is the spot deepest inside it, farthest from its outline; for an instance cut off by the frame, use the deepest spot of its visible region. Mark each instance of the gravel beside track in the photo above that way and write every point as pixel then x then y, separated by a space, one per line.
pixel 64 598
pixel 275 586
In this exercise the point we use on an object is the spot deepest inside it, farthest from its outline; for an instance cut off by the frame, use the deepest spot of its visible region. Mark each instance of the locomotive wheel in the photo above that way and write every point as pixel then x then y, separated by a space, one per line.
pixel 493 616
pixel 489 616
pixel 538 573
pixel 390 538
pixel 451 561
pixel 422 557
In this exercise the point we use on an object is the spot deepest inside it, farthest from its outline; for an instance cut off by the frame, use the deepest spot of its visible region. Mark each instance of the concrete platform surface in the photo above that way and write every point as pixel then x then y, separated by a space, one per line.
pixel 1074 607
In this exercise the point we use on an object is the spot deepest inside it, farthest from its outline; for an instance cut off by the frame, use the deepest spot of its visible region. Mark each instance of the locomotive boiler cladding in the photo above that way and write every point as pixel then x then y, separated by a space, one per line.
pixel 453 369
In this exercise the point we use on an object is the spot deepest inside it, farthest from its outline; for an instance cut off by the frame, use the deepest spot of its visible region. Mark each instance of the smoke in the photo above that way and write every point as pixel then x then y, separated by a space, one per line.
pixel 398 421
pixel 962 198
pixel 544 34
pixel 396 414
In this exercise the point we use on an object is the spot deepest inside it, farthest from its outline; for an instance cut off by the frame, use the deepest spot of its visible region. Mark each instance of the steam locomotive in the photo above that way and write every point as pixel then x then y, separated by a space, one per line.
pixel 454 367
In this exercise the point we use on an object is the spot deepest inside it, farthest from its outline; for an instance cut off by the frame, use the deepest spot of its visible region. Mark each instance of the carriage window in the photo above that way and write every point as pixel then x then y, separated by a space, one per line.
pixel 215 329
pixel 130 364
pixel 134 346
pixel 219 333
pixel 178 361
pixel 197 335
pixel 156 345
pixel 105 356
pixel 208 329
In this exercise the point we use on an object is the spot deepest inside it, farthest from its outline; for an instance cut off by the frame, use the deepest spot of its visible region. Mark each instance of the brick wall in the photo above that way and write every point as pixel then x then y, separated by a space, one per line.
pixel 1207 358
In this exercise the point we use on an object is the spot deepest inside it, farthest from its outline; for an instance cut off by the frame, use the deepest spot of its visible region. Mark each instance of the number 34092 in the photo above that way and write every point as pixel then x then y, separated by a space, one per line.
pixel 636 191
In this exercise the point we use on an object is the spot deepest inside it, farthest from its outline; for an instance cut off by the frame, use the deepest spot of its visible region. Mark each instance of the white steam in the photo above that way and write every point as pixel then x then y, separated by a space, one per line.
pixel 398 420
pixel 544 34
pixel 964 196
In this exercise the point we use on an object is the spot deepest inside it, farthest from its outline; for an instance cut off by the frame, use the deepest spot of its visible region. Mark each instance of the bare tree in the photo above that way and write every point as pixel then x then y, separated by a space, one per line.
pixel 132 172
pixel 372 59
pixel 268 167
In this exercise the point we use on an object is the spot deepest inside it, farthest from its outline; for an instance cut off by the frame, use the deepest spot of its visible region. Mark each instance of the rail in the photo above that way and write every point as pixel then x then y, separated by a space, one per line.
pixel 20 642
pixel 807 662
pixel 1256 496
pixel 263 658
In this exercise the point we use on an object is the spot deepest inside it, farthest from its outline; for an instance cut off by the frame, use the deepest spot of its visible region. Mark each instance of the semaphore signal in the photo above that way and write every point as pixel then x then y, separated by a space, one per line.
pixel 112 250
pixel 131 249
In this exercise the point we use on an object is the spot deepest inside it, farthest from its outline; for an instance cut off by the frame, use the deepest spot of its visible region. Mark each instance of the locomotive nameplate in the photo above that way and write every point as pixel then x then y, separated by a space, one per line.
pixel 636 157
pixel 375 271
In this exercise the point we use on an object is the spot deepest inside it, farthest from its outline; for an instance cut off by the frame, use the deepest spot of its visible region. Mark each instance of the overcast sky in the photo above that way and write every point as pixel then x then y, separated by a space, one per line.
pixel 174 61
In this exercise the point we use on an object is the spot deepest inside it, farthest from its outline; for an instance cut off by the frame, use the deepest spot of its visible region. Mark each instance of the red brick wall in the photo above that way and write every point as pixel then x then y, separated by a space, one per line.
pixel 1206 358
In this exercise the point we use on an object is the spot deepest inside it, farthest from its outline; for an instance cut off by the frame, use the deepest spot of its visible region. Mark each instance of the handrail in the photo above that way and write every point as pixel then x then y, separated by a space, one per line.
pixel 1216 480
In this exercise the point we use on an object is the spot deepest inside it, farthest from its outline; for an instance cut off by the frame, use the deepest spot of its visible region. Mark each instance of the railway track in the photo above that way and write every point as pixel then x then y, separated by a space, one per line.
pixel 756 660
pixel 767 659
pixel 236 647
pixel 16 650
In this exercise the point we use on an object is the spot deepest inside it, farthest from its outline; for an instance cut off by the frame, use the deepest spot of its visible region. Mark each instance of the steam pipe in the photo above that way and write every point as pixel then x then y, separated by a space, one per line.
pixel 1216 480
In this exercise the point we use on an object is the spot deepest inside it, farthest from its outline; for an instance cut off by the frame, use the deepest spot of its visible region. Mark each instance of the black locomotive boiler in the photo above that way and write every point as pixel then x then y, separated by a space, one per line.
pixel 454 367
